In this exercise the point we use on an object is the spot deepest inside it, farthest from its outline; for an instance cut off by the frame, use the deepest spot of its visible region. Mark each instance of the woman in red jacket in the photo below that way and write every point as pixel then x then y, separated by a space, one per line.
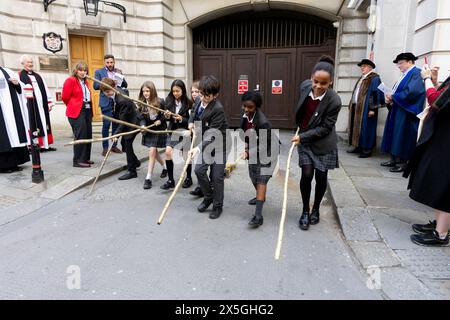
pixel 77 98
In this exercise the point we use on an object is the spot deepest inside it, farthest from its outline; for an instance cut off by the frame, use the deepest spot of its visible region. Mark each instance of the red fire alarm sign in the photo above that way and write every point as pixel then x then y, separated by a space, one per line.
pixel 242 86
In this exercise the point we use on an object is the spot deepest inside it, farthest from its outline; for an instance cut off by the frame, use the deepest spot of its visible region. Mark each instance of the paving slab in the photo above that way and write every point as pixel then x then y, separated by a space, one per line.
pixel 399 284
pixel 22 209
pixel 431 263
pixel 374 254
pixel 394 232
pixel 357 225
pixel 406 215
pixel 66 186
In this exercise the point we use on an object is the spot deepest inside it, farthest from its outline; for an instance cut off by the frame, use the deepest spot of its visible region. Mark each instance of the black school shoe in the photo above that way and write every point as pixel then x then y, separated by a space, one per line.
pixel 314 217
pixel 204 205
pixel 304 221
pixel 168 185
pixel 163 174
pixel 389 163
pixel 216 212
pixel 187 183
pixel 128 175
pixel 354 150
pixel 147 184
pixel 256 222
pixel 430 240
pixel 252 202
pixel 197 192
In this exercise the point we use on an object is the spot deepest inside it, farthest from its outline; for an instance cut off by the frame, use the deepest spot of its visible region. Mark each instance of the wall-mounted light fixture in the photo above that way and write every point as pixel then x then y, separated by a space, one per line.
pixel 91 7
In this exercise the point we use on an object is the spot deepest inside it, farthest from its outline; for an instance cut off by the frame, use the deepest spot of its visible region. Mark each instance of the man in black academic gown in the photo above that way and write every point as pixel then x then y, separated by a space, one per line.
pixel 13 124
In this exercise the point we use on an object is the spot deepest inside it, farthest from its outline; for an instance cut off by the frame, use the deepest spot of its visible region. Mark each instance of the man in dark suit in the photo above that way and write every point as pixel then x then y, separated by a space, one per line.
pixel 106 103
pixel 213 152
pixel 126 111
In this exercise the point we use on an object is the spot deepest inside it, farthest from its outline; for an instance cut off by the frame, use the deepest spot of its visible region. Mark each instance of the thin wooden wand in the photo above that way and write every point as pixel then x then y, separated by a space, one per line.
pixel 183 173
pixel 283 211
pixel 127 97
pixel 132 125
pixel 84 141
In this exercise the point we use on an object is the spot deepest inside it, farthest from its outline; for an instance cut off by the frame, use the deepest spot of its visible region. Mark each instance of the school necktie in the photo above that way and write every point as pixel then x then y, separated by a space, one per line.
pixel 200 112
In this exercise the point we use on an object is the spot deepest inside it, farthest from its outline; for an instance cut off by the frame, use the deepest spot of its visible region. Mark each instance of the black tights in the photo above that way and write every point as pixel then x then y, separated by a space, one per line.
pixel 305 186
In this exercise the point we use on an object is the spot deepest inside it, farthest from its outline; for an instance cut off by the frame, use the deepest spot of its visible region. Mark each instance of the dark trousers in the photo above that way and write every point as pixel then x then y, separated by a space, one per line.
pixel 105 131
pixel 82 129
pixel 132 160
pixel 217 170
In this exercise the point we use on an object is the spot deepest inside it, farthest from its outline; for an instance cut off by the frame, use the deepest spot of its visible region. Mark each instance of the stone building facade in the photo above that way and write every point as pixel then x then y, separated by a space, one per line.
pixel 157 40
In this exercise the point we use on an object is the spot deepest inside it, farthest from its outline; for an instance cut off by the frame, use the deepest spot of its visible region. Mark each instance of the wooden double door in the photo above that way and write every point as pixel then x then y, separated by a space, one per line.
pixel 276 73
pixel 90 50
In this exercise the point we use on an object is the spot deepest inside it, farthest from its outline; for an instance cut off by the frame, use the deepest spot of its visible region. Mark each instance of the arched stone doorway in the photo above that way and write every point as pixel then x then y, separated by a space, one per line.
pixel 272 51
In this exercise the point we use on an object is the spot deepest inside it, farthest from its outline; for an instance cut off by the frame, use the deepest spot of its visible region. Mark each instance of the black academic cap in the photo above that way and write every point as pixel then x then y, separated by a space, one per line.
pixel 408 56
pixel 368 62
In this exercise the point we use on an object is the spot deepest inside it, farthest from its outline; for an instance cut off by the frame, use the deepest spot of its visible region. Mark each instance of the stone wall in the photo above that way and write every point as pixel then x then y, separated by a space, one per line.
pixel 156 42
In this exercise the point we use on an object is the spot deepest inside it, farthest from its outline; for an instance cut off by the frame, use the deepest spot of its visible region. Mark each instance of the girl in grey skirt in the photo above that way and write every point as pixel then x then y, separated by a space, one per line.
pixel 316 114
pixel 148 116
pixel 258 144
pixel 178 103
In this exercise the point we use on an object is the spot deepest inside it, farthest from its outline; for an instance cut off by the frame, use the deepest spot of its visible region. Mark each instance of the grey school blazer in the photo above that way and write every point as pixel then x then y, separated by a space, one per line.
pixel 320 135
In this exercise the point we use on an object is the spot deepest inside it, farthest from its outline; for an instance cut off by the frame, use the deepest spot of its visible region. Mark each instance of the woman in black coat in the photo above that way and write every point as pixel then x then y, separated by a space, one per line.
pixel 316 115
pixel 429 166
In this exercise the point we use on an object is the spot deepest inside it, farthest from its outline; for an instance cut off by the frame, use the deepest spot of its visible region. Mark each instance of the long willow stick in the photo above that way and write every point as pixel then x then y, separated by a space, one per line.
pixel 127 97
pixel 132 125
pixel 101 168
pixel 107 155
pixel 283 212
pixel 84 141
pixel 183 173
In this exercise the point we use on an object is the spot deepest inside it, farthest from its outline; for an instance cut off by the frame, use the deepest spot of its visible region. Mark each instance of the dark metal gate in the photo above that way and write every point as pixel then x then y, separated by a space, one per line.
pixel 262 48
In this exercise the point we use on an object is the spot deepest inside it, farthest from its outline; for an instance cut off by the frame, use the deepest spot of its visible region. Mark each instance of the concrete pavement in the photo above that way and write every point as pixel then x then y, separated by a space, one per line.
pixel 376 215
pixel 20 197
pixel 360 250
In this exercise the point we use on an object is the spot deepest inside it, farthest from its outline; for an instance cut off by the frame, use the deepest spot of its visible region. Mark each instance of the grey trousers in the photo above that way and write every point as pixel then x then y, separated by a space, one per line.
pixel 217 175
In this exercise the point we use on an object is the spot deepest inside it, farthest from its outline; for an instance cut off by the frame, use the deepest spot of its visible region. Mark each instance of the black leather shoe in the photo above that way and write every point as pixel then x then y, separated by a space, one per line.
pixel 147 184
pixel 204 205
pixel 215 213
pixel 365 154
pixel 187 183
pixel 128 175
pixel 163 174
pixel 256 222
pixel 81 165
pixel 197 192
pixel 397 168
pixel 252 202
pixel 314 217
pixel 354 150
pixel 390 163
pixel 430 240
pixel 168 185
pixel 304 221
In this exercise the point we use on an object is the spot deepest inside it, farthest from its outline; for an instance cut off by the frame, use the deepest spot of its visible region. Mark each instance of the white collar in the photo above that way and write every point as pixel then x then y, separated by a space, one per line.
pixel 250 120
pixel 366 75
pixel 316 98
pixel 407 71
